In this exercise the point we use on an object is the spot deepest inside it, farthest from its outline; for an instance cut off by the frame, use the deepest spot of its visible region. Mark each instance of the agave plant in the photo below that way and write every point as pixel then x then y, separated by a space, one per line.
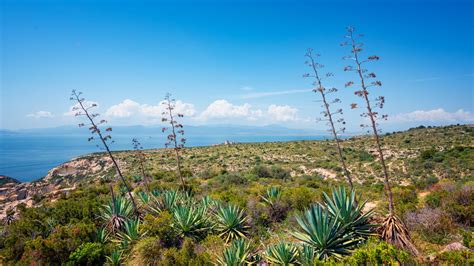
pixel 272 195
pixel 394 232
pixel 306 255
pixel 231 222
pixel 209 203
pixel 150 203
pixel 116 213
pixel 239 253
pixel 282 254
pixel 323 232
pixel 115 258
pixel 130 233
pixel 190 221
pixel 102 236
pixel 169 199
pixel 349 212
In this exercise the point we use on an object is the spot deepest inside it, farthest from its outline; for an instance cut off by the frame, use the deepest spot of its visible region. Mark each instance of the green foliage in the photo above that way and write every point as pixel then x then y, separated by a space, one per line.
pixel 306 255
pixel 116 213
pixel 272 195
pixel 115 258
pixel 161 226
pixel 460 257
pixel 348 211
pixel 88 254
pixel 57 247
pixel 375 252
pixel 149 250
pixel 231 222
pixel 130 233
pixel 191 221
pixel 282 254
pixel 324 232
pixel 238 254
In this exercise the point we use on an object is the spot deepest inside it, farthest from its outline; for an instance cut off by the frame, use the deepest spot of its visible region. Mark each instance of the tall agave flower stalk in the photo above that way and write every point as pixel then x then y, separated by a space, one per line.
pixel 169 116
pixel 141 158
pixel 394 230
pixel 328 115
pixel 82 109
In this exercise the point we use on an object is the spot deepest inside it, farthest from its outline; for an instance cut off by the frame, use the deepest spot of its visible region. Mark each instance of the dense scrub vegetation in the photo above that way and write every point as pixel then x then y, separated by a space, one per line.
pixel 254 202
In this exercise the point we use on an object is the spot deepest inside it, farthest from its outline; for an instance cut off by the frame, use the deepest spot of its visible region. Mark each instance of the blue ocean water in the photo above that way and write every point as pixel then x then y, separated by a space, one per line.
pixel 27 157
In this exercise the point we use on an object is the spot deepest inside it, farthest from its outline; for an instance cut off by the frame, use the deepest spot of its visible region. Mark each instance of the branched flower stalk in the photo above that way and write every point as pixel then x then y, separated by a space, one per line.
pixel 394 230
pixel 175 138
pixel 365 84
pixel 327 114
pixel 141 158
pixel 83 109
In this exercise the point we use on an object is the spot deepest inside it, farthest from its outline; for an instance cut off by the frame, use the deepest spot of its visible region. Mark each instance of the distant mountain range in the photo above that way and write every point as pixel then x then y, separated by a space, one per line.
pixel 208 130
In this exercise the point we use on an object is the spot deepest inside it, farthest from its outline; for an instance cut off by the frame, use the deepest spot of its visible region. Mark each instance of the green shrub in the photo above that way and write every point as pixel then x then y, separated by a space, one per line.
pixel 460 257
pixel 149 250
pixel 88 254
pixel 261 171
pixel 161 227
pixel 376 252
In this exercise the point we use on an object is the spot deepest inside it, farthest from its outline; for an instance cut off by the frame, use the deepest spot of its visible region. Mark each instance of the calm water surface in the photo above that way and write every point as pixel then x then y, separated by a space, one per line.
pixel 29 157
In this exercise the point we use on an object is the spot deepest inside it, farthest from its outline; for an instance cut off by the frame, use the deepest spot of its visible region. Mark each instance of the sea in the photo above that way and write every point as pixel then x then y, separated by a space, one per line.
pixel 28 157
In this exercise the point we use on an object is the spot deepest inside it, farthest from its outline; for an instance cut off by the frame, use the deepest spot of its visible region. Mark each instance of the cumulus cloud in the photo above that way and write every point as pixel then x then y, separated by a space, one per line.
pixel 126 108
pixel 40 114
pixel 224 109
pixel 435 115
pixel 282 112
pixel 129 108
pixel 73 109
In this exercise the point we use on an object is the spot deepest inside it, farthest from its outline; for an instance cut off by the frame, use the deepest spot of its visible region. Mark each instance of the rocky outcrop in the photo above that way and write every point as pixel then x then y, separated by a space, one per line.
pixel 59 180
pixel 454 247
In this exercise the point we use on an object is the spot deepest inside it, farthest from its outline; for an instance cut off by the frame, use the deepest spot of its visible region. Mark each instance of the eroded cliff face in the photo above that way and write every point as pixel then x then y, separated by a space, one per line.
pixel 59 180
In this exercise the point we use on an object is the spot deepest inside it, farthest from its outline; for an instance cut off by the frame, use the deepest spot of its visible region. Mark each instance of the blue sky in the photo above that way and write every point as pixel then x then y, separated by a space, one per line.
pixel 231 62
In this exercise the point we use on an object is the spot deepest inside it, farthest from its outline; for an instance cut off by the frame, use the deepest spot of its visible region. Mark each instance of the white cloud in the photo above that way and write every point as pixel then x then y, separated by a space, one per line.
pixel 147 113
pixel 126 108
pixel 72 111
pixel 224 109
pixel 40 114
pixel 435 115
pixel 282 112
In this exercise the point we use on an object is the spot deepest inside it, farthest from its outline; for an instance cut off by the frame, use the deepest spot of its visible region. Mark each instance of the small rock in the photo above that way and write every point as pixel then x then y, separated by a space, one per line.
pixel 454 247
pixel 21 195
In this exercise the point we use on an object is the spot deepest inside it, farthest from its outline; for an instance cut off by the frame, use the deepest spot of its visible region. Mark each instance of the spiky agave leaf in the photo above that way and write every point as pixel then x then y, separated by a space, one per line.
pixel 282 254
pixel 150 203
pixel 115 258
pixel 323 232
pixel 237 254
pixel 349 212
pixel 169 199
pixel 306 255
pixel 395 232
pixel 273 194
pixel 102 236
pixel 130 233
pixel 190 221
pixel 116 212
pixel 231 222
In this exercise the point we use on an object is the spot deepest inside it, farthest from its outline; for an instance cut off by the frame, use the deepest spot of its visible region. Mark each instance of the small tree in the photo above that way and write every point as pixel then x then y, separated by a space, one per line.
pixel 175 138
pixel 394 230
pixel 141 159
pixel 82 109
pixel 327 114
